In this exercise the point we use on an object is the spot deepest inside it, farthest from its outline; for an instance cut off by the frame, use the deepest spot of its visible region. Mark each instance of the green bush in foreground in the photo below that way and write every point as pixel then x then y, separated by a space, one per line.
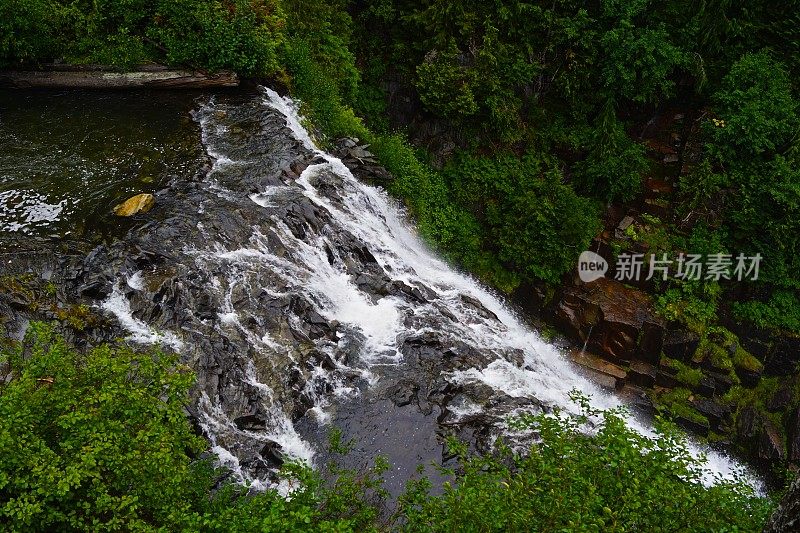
pixel 98 441
pixel 616 480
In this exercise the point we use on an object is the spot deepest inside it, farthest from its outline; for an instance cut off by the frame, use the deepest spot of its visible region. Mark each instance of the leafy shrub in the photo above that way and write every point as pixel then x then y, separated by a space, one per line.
pixel 534 222
pixel 614 165
pixel 781 311
pixel 692 302
pixel 29 31
pixel 100 441
pixel 764 217
pixel 616 480
pixel 444 85
pixel 637 59
pixel 752 170
pixel 240 35
pixel 95 440
pixel 319 93
pixel 325 28
pixel 758 111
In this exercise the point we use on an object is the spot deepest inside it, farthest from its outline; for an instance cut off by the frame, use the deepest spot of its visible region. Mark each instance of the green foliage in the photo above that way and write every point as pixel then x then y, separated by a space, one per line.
pixel 690 303
pixel 324 27
pixel 781 311
pixel 759 112
pixel 534 222
pixel 693 302
pixel 29 30
pixel 637 59
pixel 721 349
pixel 616 480
pixel 765 218
pixel 240 35
pixel 675 403
pixel 444 85
pixel 753 167
pixel 99 441
pixel 684 373
pixel 319 92
pixel 615 164
pixel 485 65
pixel 95 440
pixel 700 189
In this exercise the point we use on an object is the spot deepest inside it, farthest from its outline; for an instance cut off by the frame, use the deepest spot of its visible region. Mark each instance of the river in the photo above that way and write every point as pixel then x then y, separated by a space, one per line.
pixel 302 298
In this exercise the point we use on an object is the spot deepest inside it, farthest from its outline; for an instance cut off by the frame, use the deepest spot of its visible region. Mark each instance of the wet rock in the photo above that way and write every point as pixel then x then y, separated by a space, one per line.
pixel 403 393
pixel 318 358
pixel 250 422
pixel 722 382
pixel 770 444
pixel 714 412
pixel 639 400
pixel 614 318
pixel 361 162
pixel 576 316
pixel 749 423
pixel 476 304
pixel 680 344
pixel 273 453
pixel 793 434
pixel 784 358
pixel 705 387
pixel 478 392
pixel 141 203
pixel 398 288
pixel 96 288
pixel 601 367
pixel 748 377
pixel 642 374
pixel 786 517
pixel 651 342
pixel 698 426
pixel 665 377
pixel 780 399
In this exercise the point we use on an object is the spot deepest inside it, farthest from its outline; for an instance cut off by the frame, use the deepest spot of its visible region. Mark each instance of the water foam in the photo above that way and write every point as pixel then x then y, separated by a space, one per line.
pixel 374 218
pixel 279 263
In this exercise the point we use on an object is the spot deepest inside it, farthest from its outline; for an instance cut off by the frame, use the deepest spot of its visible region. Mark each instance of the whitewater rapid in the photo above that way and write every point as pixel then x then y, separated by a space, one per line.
pixel 276 262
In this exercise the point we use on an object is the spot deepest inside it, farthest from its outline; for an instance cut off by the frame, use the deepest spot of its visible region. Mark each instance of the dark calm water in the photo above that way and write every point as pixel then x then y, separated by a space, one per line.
pixel 66 158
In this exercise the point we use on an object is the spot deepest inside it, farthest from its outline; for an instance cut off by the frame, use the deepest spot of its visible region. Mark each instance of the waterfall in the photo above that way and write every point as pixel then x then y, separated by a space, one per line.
pixel 306 288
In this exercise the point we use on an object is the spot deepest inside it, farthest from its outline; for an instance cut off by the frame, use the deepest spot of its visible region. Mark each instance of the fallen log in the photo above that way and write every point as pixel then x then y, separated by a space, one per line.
pixel 97 77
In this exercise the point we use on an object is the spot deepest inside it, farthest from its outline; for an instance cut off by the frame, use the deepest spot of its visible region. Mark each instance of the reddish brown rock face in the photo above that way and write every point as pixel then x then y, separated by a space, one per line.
pixel 618 321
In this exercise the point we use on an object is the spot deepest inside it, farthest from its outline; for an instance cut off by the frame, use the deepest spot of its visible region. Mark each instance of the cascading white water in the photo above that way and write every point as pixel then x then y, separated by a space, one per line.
pixel 277 262
pixel 546 375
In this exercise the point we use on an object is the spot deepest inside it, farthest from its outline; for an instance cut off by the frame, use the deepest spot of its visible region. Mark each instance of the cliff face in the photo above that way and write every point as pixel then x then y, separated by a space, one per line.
pixel 787 516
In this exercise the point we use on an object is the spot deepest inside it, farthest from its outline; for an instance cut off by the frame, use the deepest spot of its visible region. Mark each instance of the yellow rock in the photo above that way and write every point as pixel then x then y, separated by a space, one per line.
pixel 141 203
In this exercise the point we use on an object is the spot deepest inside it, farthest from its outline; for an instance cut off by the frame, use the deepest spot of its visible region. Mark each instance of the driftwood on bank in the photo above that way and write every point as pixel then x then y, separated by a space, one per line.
pixel 98 77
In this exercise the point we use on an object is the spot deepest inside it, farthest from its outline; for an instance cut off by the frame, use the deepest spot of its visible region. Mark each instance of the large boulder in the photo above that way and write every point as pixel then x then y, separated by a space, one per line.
pixel 616 321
